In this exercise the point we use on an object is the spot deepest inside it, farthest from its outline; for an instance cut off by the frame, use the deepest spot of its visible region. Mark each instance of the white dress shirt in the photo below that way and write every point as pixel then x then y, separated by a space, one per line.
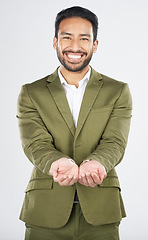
pixel 75 95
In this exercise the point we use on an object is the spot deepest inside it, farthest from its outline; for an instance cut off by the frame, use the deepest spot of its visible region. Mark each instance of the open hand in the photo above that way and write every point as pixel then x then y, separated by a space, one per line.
pixel 91 173
pixel 64 171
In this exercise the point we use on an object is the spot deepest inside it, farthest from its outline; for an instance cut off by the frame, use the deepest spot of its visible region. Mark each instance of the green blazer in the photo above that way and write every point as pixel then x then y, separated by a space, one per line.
pixel 47 133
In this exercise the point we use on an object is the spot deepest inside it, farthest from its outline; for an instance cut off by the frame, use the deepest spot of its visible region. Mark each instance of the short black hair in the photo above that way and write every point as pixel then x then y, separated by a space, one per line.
pixel 77 11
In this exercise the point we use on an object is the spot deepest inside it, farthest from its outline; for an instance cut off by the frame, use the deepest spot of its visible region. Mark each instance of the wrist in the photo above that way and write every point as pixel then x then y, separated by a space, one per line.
pixel 85 161
pixel 71 160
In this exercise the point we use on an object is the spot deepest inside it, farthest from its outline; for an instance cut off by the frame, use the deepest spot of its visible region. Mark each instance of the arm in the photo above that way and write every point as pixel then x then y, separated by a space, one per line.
pixel 111 147
pixel 37 142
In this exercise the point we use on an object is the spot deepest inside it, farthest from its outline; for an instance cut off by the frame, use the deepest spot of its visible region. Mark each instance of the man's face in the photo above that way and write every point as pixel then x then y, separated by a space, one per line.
pixel 75 45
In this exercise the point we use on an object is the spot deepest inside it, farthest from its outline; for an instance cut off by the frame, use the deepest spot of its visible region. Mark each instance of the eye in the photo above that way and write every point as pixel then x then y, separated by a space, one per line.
pixel 84 39
pixel 66 37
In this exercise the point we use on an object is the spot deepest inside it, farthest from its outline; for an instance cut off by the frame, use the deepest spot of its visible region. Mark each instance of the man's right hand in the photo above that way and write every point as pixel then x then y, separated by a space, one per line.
pixel 64 171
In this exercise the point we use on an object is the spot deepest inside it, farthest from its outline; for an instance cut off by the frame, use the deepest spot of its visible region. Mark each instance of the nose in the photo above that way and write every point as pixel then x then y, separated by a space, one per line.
pixel 75 45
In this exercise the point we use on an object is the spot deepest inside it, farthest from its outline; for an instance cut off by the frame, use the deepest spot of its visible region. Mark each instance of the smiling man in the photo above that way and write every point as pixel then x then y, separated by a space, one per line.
pixel 74 44
pixel 74 127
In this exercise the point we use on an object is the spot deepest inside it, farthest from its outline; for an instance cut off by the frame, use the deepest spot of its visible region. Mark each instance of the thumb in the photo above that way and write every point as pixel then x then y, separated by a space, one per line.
pixel 54 170
pixel 102 173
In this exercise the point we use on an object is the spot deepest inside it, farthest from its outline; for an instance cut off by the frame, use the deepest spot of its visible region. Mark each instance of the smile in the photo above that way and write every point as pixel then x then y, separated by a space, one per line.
pixel 74 56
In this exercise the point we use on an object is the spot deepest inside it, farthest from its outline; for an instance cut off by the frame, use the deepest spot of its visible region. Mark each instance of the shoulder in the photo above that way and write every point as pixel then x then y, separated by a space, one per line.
pixel 40 84
pixel 106 79
pixel 108 82
pixel 111 86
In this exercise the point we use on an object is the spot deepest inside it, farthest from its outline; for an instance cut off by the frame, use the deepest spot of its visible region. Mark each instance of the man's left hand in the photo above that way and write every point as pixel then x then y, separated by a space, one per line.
pixel 91 173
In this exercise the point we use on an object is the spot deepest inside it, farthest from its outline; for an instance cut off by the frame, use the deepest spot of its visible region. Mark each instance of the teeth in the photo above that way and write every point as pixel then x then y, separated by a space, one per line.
pixel 74 56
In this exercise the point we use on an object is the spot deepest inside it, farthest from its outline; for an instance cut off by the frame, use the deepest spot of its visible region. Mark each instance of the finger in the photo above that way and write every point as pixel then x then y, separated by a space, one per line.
pixel 80 181
pixel 81 178
pixel 102 175
pixel 102 172
pixel 66 182
pixel 54 170
pixel 84 180
pixel 54 173
pixel 96 178
pixel 73 181
pixel 60 178
pixel 90 180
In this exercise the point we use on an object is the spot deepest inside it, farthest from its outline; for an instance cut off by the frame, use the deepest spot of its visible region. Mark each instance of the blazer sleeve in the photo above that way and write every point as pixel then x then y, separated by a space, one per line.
pixel 111 147
pixel 36 140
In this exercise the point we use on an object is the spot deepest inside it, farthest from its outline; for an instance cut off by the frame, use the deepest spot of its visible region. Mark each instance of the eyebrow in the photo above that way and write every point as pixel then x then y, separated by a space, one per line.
pixel 70 34
pixel 85 35
pixel 65 33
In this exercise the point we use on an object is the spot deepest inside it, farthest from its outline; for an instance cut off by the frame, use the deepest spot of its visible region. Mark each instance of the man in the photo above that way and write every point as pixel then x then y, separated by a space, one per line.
pixel 74 126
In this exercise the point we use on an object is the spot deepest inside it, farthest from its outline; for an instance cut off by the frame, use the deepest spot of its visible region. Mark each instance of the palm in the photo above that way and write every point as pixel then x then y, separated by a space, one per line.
pixel 89 168
pixel 67 170
pixel 64 172
pixel 91 173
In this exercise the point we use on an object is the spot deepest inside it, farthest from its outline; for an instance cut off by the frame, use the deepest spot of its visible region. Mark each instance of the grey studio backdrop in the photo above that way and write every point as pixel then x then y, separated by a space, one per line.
pixel 26 54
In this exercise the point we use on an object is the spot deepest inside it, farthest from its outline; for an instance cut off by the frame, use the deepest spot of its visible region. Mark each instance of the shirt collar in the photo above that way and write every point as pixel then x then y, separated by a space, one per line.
pixel 85 78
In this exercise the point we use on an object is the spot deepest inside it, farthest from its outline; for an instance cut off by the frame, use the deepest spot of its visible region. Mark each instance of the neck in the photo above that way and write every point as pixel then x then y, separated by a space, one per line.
pixel 73 78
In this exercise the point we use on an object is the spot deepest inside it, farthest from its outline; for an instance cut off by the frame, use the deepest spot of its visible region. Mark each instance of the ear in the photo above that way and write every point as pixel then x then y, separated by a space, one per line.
pixel 55 43
pixel 95 46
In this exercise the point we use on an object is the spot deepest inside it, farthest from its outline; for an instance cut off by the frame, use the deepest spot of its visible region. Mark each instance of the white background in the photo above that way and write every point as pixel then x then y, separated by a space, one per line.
pixel 26 33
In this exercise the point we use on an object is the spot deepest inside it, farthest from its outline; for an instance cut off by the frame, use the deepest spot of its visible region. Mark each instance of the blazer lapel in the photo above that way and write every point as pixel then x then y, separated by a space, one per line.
pixel 59 97
pixel 92 89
